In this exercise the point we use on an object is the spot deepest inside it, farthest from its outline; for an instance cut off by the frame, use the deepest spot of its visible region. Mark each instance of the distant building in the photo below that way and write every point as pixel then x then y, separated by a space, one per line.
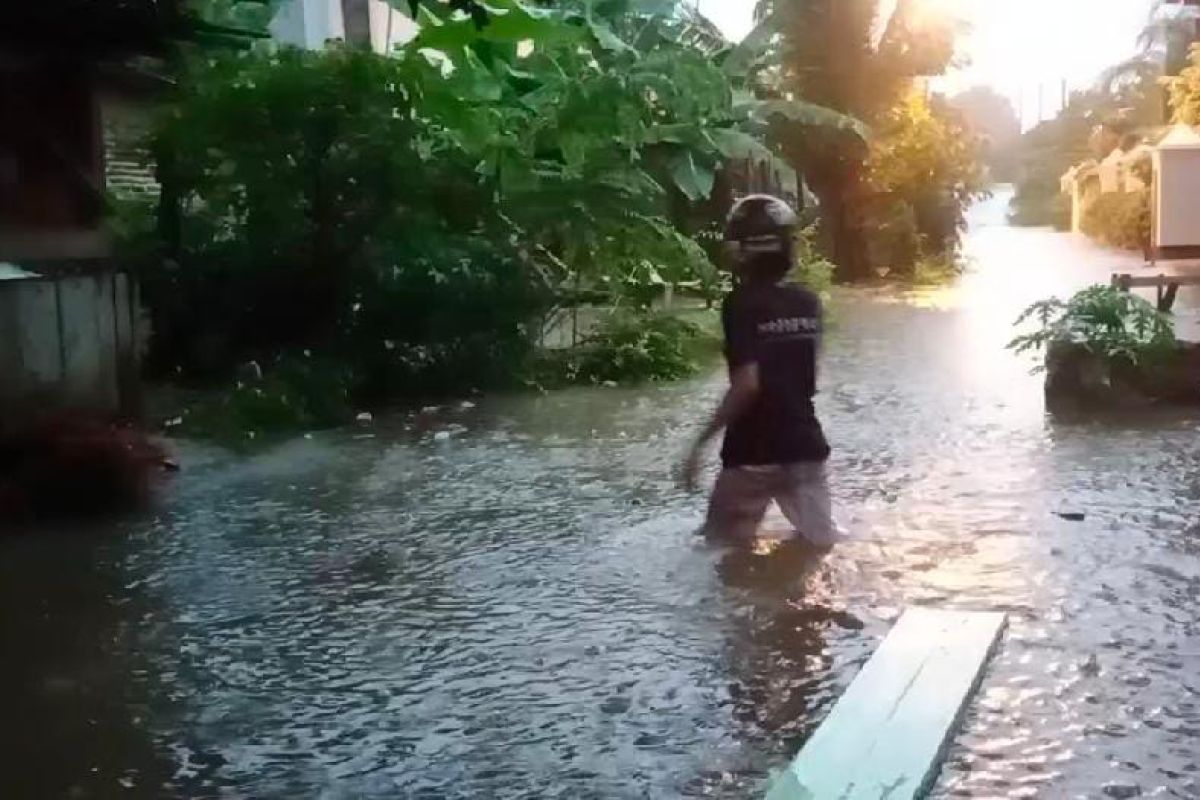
pixel 313 23
pixel 1176 212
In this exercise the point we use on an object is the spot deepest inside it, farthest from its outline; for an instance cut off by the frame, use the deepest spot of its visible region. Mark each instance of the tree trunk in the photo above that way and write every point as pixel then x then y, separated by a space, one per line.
pixel 169 212
pixel 356 20
pixel 838 188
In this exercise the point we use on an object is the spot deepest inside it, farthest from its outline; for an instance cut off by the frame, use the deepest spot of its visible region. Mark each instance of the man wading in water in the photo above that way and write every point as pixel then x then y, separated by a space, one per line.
pixel 774 446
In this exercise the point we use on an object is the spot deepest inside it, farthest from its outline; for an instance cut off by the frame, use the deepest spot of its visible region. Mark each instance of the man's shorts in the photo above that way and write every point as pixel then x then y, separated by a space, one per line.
pixel 742 496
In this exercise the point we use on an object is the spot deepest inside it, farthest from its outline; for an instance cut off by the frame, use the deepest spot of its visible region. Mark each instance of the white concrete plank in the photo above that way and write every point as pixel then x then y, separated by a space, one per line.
pixel 886 736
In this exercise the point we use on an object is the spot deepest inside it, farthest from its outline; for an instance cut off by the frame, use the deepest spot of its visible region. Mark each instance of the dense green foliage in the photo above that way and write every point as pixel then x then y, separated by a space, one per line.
pixel 628 347
pixel 1185 90
pixel 923 171
pixel 1120 220
pixel 375 227
pixel 1039 202
pixel 847 55
pixel 414 218
pixel 992 117
pixel 431 199
pixel 813 270
pixel 1110 323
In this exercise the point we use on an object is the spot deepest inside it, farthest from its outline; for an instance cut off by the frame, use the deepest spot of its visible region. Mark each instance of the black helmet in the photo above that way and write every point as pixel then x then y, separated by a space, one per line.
pixel 760 224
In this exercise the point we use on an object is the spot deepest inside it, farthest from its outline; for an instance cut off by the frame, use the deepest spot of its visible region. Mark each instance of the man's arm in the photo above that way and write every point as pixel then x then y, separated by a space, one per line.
pixel 743 390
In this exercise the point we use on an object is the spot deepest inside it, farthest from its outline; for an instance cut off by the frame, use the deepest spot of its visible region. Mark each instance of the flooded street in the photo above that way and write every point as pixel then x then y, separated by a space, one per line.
pixel 522 610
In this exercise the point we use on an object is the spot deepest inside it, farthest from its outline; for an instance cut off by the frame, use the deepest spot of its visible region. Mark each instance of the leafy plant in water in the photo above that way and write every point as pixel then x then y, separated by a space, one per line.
pixel 629 346
pixel 812 269
pixel 1110 323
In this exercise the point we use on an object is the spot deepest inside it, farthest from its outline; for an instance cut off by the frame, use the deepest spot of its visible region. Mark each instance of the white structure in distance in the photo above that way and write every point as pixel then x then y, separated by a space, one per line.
pixel 313 23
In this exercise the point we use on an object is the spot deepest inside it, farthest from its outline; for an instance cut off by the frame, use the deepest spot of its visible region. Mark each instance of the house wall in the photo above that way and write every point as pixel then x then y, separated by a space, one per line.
pixel 1177 214
pixel 68 342
pixel 128 164
pixel 312 23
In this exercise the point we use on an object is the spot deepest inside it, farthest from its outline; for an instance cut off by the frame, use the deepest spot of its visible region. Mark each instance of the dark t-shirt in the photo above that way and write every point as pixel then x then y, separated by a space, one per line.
pixel 779 328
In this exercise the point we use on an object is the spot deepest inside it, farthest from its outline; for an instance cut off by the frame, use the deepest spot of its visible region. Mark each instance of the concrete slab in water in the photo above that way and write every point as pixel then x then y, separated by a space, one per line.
pixel 886 736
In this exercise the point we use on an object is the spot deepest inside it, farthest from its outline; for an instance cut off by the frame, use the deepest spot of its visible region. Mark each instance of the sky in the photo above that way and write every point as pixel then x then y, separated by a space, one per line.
pixel 1015 45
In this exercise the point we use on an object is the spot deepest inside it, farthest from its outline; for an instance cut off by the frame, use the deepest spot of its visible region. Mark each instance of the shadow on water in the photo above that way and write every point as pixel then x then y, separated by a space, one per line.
pixel 521 609
pixel 77 716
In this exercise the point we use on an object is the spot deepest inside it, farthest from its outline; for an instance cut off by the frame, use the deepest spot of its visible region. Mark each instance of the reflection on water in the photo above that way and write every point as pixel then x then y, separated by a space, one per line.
pixel 524 611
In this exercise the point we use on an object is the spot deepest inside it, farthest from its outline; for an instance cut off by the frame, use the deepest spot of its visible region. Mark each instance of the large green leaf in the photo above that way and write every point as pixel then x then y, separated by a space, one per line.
pixel 805 114
pixel 509 21
pixel 694 180
pixel 674 133
pixel 739 61
pixel 735 144
pixel 607 38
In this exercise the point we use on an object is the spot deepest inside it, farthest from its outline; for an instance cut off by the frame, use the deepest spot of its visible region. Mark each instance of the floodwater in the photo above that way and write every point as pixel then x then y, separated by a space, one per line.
pixel 521 609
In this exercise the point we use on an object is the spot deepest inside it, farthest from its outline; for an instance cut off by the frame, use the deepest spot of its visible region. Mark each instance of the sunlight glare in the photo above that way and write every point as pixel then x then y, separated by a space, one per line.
pixel 937 11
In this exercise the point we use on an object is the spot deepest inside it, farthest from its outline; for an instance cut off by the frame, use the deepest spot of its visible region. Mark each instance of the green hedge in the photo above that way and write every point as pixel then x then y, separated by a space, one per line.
pixel 1119 219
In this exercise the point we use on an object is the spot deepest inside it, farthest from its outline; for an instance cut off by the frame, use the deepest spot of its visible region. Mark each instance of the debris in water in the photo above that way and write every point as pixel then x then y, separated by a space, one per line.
pixel 442 436
pixel 1122 790
pixel 616 705
pixel 365 418
pixel 1071 516
pixel 1090 667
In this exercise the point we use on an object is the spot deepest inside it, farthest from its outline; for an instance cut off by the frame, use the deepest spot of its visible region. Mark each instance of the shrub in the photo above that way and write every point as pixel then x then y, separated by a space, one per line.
pixel 1033 207
pixel 934 270
pixel 629 347
pixel 296 392
pixel 893 241
pixel 1119 219
pixel 812 270
pixel 1112 324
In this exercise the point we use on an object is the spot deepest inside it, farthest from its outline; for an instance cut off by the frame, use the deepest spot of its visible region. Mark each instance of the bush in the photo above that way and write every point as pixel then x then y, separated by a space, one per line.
pixel 813 270
pixel 1115 325
pixel 925 172
pixel 629 347
pixel 893 241
pixel 296 392
pixel 935 270
pixel 1033 206
pixel 1120 220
